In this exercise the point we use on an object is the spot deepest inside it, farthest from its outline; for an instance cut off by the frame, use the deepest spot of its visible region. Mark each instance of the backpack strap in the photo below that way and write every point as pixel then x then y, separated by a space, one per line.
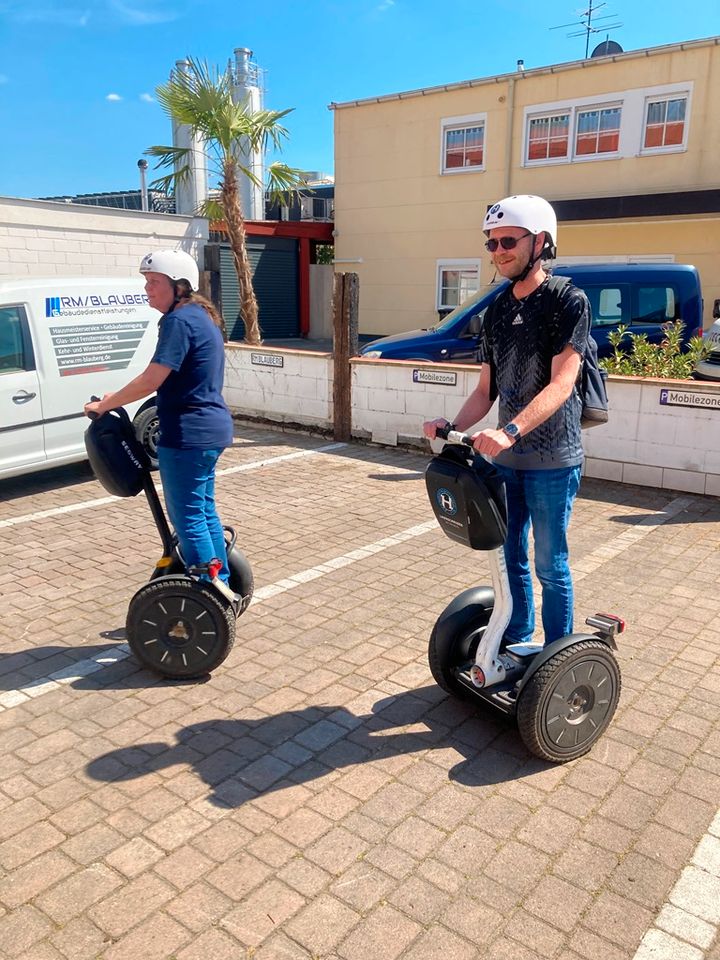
pixel 552 291
pixel 493 373
pixel 551 294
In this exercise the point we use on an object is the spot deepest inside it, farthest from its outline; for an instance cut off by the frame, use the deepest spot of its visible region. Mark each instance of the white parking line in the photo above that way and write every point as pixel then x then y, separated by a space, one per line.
pixel 608 551
pixel 36 688
pixel 100 501
pixel 687 924
pixel 627 538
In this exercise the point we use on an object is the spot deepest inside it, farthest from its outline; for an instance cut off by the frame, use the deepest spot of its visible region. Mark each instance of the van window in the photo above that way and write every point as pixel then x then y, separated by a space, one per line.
pixel 14 348
pixel 609 304
pixel 656 304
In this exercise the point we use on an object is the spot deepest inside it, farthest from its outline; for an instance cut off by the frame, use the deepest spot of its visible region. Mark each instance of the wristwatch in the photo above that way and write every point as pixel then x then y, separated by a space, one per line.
pixel 511 430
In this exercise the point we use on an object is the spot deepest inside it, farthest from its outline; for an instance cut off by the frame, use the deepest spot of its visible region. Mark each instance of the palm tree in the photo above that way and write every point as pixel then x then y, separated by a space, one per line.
pixel 201 97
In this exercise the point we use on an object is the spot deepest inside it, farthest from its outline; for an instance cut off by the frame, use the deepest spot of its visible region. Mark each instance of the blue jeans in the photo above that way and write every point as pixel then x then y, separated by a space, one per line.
pixel 543 498
pixel 188 479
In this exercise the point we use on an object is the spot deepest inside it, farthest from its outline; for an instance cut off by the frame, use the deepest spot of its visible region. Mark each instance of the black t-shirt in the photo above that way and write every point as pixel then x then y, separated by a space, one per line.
pixel 520 339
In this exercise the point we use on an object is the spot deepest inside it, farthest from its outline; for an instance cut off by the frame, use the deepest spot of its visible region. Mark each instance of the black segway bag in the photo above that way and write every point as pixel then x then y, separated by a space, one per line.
pixel 116 455
pixel 468 498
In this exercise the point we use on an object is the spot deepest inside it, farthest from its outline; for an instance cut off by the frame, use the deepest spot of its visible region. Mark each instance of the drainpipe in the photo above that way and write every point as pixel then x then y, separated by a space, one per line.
pixel 509 134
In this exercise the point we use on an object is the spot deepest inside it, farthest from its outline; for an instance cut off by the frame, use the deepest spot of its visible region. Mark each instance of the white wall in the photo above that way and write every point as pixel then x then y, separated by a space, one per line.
pixel 388 407
pixel 297 393
pixel 45 238
pixel 654 444
pixel 644 442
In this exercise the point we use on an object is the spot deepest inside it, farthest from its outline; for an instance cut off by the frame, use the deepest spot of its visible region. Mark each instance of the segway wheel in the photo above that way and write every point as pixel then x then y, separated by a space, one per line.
pixel 450 648
pixel 242 581
pixel 569 702
pixel 179 627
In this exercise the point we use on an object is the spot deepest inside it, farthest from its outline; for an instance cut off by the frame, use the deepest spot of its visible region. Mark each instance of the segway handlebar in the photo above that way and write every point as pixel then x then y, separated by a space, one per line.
pixel 94 416
pixel 120 411
pixel 452 435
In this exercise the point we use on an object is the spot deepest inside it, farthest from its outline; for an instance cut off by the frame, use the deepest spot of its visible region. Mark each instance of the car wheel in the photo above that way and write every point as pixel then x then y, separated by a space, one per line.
pixel 147 430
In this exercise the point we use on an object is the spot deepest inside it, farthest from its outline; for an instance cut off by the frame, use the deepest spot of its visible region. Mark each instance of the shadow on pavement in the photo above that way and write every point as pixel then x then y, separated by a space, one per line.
pixel 395 477
pixel 701 509
pixel 44 481
pixel 242 759
pixel 99 666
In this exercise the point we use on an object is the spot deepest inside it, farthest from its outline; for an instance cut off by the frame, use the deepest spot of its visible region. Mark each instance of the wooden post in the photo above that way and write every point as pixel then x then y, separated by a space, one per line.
pixel 346 287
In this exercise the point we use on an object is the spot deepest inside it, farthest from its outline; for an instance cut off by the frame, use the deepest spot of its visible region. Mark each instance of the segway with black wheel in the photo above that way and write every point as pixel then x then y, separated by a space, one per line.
pixel 563 695
pixel 182 623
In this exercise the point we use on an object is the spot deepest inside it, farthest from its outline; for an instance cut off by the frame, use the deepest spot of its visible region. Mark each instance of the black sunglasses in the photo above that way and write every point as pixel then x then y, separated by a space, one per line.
pixel 507 243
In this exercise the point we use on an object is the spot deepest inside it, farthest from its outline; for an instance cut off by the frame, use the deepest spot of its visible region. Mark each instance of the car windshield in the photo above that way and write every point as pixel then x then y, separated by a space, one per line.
pixel 449 321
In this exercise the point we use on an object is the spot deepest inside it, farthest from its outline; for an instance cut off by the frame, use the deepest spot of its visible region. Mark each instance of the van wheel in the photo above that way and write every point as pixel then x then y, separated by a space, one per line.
pixel 147 430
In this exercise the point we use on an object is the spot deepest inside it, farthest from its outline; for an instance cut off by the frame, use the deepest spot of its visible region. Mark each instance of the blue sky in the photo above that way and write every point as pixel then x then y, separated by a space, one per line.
pixel 77 78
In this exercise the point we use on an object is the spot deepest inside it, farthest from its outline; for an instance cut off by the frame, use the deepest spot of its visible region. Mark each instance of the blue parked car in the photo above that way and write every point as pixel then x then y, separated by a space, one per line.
pixel 644 297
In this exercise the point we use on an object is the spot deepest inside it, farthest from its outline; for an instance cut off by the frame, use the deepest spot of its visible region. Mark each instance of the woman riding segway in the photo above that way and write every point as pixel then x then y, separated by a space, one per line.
pixel 186 372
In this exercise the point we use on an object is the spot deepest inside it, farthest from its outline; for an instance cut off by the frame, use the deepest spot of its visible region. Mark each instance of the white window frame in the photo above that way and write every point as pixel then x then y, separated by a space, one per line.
pixel 587 108
pixel 548 114
pixel 459 123
pixel 572 108
pixel 633 106
pixel 455 263
pixel 654 97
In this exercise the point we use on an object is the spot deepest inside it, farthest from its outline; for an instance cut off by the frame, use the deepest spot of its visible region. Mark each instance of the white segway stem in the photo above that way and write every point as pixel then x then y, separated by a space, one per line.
pixel 488 668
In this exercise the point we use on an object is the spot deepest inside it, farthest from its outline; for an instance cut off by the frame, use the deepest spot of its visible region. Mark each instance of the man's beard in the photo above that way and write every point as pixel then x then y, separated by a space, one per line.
pixel 517 269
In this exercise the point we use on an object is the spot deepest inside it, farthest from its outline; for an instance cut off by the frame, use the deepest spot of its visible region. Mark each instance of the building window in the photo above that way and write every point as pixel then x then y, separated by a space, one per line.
pixel 598 131
pixel 625 123
pixel 665 123
pixel 456 282
pixel 463 144
pixel 548 139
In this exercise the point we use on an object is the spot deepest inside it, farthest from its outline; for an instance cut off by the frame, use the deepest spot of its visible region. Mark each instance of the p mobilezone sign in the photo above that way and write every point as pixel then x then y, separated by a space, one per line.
pixel 689 398
pixel 448 379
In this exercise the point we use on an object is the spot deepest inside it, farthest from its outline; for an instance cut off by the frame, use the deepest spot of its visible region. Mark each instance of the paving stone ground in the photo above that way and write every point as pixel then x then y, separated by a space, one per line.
pixel 319 796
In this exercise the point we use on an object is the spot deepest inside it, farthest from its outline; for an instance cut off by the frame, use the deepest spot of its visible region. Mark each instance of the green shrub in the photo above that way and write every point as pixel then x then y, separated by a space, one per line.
pixel 643 359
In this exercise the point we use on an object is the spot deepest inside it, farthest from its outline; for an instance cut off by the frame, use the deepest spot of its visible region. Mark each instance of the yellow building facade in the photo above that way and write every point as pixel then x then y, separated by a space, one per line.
pixel 626 147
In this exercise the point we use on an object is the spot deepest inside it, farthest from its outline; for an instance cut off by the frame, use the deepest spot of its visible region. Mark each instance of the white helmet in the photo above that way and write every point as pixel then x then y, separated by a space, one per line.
pixel 530 213
pixel 175 264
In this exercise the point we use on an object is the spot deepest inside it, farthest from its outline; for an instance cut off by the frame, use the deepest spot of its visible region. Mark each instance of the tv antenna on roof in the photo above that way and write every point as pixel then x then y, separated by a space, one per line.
pixel 587 22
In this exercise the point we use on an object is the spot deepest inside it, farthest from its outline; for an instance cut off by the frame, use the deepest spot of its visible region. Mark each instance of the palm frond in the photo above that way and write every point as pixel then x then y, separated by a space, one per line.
pixel 212 208
pixel 168 156
pixel 199 97
pixel 283 180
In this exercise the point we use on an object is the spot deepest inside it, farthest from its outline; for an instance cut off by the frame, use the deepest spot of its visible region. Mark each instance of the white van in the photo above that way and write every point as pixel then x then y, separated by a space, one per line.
pixel 61 341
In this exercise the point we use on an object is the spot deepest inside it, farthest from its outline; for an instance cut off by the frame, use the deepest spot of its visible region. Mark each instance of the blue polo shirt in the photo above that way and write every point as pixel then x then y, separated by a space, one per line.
pixel 191 410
